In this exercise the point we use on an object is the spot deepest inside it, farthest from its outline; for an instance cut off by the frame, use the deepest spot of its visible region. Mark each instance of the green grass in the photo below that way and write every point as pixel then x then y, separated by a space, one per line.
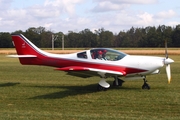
pixel 40 93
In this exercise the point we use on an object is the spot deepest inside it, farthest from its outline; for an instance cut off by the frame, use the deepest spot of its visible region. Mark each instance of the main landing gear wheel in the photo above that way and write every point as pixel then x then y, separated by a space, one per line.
pixel 100 88
pixel 145 85
pixel 103 85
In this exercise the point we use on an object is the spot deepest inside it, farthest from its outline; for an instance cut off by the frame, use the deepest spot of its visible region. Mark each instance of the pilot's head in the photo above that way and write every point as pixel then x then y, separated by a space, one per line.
pixel 100 54
pixel 104 51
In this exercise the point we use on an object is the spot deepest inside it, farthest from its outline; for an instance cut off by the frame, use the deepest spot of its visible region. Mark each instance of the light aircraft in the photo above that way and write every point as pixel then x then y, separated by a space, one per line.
pixel 103 62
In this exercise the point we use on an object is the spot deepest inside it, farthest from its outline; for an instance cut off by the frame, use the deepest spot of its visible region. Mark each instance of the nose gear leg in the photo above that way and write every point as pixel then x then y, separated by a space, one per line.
pixel 145 85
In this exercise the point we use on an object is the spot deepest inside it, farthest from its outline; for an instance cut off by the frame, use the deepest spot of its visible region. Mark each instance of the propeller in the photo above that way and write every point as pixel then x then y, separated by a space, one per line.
pixel 167 62
pixel 168 72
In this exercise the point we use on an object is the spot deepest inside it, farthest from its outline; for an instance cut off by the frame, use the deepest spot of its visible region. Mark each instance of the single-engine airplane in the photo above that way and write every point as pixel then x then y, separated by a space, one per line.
pixel 103 62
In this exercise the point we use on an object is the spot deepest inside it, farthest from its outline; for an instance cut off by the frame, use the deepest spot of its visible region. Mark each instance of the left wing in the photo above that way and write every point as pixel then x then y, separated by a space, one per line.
pixel 89 72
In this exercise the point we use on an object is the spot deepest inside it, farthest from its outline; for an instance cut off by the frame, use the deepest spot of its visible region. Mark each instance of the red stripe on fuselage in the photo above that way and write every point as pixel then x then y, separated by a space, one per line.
pixel 62 62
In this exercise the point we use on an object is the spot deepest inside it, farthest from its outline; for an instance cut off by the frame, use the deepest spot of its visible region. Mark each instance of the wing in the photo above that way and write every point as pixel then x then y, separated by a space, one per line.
pixel 89 72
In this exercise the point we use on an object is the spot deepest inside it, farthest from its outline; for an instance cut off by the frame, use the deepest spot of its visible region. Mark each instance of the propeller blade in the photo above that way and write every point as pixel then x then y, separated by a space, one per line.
pixel 167 62
pixel 168 72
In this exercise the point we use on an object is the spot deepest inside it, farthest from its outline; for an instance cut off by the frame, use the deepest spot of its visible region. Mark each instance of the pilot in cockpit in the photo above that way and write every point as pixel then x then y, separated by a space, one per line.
pixel 102 55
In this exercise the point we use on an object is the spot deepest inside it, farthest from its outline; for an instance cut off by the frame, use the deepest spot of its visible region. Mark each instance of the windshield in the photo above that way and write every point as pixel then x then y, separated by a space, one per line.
pixel 107 54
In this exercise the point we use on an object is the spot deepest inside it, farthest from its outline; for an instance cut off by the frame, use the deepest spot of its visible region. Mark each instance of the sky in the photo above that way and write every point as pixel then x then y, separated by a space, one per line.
pixel 77 15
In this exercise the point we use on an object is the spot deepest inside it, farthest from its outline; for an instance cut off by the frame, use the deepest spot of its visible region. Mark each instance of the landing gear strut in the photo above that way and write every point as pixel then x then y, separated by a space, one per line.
pixel 117 82
pixel 145 85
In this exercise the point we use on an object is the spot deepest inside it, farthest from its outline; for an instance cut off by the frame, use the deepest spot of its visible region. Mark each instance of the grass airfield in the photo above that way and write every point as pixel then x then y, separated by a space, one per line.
pixel 40 93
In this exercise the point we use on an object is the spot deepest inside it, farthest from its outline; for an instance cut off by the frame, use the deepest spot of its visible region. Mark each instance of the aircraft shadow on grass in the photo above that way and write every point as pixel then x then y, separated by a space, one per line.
pixel 73 91
pixel 68 91
pixel 9 84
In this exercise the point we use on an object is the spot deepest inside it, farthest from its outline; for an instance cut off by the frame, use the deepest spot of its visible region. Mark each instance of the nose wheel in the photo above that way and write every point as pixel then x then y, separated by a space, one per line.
pixel 145 85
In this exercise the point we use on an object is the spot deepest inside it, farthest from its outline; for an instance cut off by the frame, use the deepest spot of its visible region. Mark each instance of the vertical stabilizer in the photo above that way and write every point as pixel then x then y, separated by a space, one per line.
pixel 27 52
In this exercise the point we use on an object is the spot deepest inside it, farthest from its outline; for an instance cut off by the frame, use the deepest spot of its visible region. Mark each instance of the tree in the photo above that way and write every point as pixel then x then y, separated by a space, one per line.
pixel 149 36
pixel 119 39
pixel 176 36
pixel 39 36
pixel 73 40
pixel 88 38
pixel 5 40
pixel 33 36
pixel 46 39
pixel 105 38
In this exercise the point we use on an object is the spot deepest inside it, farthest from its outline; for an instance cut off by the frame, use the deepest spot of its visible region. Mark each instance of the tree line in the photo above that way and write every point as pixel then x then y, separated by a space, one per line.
pixel 150 36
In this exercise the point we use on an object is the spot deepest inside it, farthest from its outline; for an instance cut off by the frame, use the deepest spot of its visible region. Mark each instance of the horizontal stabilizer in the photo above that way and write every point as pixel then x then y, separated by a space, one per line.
pixel 22 56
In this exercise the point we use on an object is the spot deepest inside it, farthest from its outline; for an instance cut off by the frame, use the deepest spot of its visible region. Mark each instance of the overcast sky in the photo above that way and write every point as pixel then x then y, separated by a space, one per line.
pixel 77 15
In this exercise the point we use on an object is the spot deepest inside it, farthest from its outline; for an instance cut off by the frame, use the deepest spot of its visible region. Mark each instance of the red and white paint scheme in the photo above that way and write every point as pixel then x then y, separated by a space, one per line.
pixel 103 62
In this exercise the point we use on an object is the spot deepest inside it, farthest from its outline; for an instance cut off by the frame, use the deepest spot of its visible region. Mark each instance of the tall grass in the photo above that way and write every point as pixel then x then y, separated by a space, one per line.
pixel 39 93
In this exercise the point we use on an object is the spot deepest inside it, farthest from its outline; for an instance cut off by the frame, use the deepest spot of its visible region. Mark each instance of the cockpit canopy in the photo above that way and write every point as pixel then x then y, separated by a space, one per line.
pixel 106 54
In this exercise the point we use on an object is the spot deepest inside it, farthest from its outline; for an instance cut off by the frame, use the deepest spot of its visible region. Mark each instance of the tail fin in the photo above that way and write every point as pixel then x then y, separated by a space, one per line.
pixel 27 52
pixel 23 45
